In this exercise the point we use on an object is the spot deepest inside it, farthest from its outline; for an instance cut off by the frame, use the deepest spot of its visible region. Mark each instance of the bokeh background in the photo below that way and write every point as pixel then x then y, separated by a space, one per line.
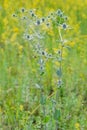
pixel 17 67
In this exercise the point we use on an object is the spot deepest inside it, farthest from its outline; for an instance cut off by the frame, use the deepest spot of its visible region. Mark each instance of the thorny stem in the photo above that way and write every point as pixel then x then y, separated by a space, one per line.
pixel 61 55
pixel 42 105
pixel 60 66
pixel 44 112
pixel 31 113
pixel 43 108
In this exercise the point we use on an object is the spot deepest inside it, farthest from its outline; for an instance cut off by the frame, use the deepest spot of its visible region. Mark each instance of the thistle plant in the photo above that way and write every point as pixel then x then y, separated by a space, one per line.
pixel 61 25
pixel 34 34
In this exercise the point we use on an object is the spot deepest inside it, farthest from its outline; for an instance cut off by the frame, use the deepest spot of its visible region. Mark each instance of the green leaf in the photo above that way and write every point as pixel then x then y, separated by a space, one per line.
pixel 41 73
pixel 68 47
pixel 43 100
pixel 46 119
pixel 57 114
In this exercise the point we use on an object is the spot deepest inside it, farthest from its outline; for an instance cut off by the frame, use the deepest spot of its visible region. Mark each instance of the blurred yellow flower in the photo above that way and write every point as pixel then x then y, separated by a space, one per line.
pixel 4 35
pixel 16 29
pixel 33 70
pixel 77 126
pixel 6 4
pixel 20 47
pixel 71 43
pixel 5 21
pixel 82 76
pixel 84 16
pixel 21 107
pixel 64 53
pixel 13 38
pixel 50 32
pixel 57 63
pixel 55 50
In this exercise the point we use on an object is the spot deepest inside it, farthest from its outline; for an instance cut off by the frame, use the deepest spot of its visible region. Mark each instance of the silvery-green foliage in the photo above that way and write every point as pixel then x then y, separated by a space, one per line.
pixel 34 34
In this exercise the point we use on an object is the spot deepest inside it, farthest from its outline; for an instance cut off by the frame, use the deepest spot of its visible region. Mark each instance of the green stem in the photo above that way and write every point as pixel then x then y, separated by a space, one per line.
pixel 60 77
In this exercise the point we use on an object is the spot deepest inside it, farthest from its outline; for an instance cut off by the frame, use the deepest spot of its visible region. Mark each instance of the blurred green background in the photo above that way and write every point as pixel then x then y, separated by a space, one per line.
pixel 18 68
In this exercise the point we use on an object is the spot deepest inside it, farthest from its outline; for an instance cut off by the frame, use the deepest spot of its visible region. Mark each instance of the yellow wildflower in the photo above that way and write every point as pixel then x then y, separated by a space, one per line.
pixel 6 4
pixel 55 50
pixel 5 21
pixel 20 47
pixel 82 76
pixel 50 32
pixel 13 38
pixel 21 107
pixel 77 126
pixel 57 63
pixel 71 43
pixel 33 70
pixel 16 29
pixel 64 53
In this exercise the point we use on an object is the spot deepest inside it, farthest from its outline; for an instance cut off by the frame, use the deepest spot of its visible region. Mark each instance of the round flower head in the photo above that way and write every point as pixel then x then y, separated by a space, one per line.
pixel 24 17
pixel 48 24
pixel 59 83
pixel 43 53
pixel 43 19
pixel 14 15
pixel 22 10
pixel 51 14
pixel 29 37
pixel 49 55
pixel 48 17
pixel 65 18
pixel 32 14
pixel 42 68
pixel 64 25
pixel 59 52
pixel 59 12
pixel 38 22
pixel 31 11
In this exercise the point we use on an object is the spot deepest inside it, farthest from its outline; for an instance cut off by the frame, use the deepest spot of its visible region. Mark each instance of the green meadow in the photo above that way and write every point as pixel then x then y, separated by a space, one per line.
pixel 43 65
